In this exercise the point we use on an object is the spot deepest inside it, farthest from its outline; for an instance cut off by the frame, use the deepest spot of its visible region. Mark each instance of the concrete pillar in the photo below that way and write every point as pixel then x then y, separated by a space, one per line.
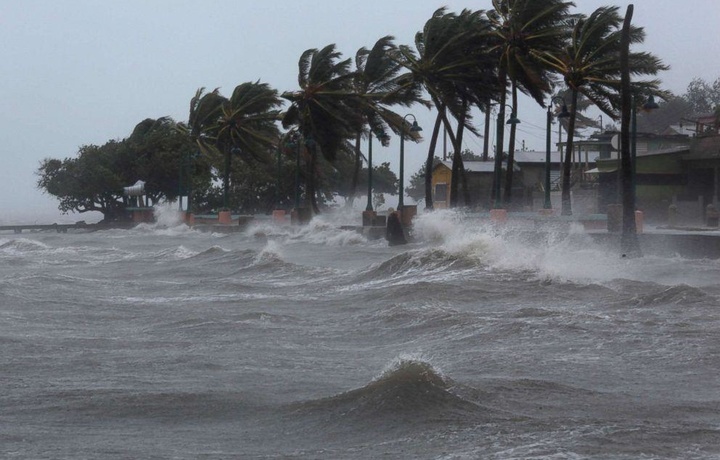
pixel 368 218
pixel 278 216
pixel 225 217
pixel 499 215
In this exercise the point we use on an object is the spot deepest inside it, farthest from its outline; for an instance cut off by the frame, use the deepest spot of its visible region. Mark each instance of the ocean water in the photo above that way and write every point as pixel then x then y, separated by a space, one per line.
pixel 316 343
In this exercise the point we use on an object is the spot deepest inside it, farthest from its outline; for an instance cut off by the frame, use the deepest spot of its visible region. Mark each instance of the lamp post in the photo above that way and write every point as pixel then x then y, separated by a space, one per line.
pixel 513 120
pixel 382 136
pixel 413 129
pixel 563 114
pixel 602 129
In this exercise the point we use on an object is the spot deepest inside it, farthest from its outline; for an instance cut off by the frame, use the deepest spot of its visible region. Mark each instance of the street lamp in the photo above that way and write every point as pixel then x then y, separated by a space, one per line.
pixel 413 129
pixel 563 114
pixel 513 120
pixel 602 129
pixel 382 137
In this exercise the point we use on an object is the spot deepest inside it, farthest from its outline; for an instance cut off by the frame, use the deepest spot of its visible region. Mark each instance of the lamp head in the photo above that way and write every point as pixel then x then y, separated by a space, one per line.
pixel 415 127
pixel 651 104
pixel 513 120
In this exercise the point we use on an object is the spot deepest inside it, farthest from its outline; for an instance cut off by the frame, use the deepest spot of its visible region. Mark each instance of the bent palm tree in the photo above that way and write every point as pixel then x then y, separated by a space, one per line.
pixel 452 65
pixel 326 109
pixel 246 121
pixel 590 65
pixel 521 29
pixel 247 124
pixel 375 81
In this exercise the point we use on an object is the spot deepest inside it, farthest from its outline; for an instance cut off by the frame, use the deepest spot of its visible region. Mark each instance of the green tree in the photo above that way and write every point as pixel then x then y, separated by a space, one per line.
pixel 94 179
pixel 157 150
pixel 702 96
pixel 88 182
pixel 590 65
pixel 326 109
pixel 376 83
pixel 452 65
pixel 522 29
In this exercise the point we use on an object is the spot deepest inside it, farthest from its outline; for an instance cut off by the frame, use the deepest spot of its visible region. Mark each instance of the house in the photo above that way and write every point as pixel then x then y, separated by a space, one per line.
pixel 480 181
pixel 661 173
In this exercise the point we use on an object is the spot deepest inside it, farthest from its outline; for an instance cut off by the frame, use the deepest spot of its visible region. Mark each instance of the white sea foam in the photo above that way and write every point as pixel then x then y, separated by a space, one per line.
pixel 271 252
pixel 565 255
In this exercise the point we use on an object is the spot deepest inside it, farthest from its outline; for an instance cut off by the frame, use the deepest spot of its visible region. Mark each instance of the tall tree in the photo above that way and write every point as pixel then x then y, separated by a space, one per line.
pixel 452 65
pixel 376 83
pixel 702 96
pixel 247 125
pixel 522 29
pixel 590 64
pixel 326 109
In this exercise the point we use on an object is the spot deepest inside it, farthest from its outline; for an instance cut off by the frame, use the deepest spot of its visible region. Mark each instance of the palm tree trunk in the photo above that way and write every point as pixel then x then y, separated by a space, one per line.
pixel 566 201
pixel 486 140
pixel 460 163
pixel 497 174
pixel 511 153
pixel 356 171
pixel 429 161
pixel 312 181
pixel 629 241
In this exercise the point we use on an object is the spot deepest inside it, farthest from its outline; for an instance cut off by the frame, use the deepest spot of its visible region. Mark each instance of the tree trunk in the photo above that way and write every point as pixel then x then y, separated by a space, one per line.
pixel 567 163
pixel 356 171
pixel 511 153
pixel 311 181
pixel 496 194
pixel 429 161
pixel 461 163
pixel 629 241
pixel 486 140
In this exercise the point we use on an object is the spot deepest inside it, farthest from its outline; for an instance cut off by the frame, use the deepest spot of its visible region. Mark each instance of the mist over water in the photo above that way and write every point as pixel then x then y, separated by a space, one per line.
pixel 473 341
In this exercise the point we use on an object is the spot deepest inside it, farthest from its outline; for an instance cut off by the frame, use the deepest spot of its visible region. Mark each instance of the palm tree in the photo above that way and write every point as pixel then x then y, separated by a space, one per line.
pixel 246 122
pixel 247 125
pixel 523 28
pixel 326 109
pixel 590 65
pixel 205 110
pixel 452 66
pixel 375 82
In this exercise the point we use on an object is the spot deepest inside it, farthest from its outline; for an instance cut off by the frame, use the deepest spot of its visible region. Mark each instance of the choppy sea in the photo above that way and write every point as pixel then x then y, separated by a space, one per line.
pixel 315 343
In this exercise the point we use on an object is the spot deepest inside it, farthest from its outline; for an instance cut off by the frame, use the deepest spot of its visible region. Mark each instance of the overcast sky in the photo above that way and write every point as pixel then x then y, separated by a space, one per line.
pixel 78 72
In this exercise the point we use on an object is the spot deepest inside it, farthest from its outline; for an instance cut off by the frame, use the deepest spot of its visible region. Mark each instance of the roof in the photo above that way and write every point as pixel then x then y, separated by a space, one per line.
pixel 473 166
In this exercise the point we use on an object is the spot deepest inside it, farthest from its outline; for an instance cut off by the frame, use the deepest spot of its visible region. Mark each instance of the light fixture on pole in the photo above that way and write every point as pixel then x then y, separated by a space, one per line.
pixel 602 127
pixel 563 114
pixel 513 120
pixel 413 129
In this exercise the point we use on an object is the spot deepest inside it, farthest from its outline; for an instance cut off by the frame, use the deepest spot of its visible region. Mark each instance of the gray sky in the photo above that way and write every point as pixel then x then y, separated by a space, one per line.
pixel 78 72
